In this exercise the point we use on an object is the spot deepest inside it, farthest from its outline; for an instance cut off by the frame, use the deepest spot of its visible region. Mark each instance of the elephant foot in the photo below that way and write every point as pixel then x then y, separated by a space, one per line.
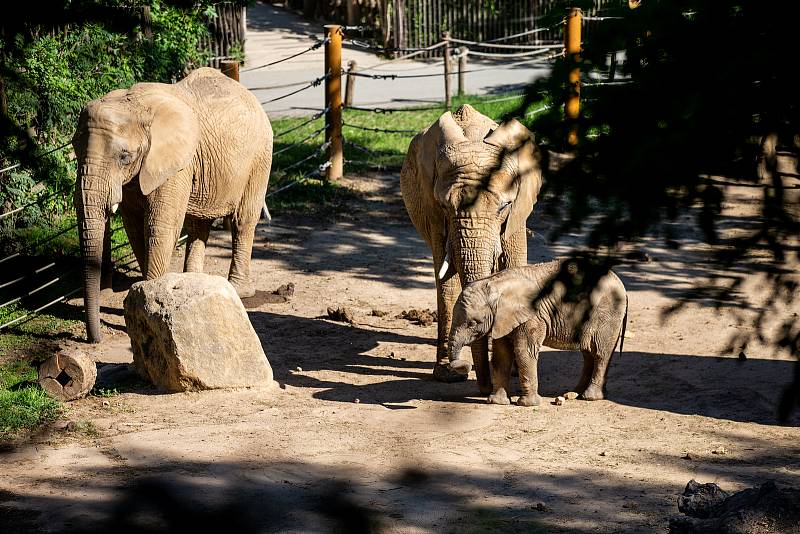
pixel 529 400
pixel 499 397
pixel 461 367
pixel 443 373
pixel 593 392
pixel 243 289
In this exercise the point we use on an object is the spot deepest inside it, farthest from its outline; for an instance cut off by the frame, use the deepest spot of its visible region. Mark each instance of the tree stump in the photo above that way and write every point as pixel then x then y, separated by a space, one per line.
pixel 68 375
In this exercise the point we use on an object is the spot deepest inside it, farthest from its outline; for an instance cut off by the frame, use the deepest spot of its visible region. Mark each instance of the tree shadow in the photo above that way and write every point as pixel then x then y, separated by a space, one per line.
pixel 721 388
pixel 167 495
pixel 298 348
pixel 366 363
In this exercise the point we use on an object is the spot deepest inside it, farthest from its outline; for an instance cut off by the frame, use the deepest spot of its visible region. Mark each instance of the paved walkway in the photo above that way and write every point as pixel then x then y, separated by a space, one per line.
pixel 274 32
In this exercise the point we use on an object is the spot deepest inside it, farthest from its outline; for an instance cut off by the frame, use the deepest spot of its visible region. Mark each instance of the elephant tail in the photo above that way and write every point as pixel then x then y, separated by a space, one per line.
pixel 624 326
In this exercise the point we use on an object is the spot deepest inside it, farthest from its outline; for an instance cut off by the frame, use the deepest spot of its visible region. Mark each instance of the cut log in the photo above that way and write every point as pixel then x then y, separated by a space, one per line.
pixel 68 375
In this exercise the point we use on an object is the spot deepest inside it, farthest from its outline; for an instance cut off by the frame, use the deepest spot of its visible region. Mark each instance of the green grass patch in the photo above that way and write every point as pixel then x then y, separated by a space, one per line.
pixel 25 408
pixel 17 372
pixel 104 392
pixel 23 404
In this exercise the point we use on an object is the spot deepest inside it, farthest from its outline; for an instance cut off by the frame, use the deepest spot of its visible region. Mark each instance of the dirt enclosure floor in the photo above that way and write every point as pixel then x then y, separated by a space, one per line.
pixel 359 434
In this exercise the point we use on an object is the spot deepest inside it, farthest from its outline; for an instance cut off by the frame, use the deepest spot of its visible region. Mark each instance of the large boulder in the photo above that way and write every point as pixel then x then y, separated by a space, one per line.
pixel 190 331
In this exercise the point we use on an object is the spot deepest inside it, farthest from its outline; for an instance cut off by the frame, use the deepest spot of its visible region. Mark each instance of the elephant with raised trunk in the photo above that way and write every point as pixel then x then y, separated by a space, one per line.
pixel 170 156
pixel 469 186
pixel 570 306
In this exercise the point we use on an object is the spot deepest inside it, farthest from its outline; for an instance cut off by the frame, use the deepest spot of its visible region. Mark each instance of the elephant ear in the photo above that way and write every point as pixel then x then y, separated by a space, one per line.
pixel 174 133
pixel 512 306
pixel 418 180
pixel 517 142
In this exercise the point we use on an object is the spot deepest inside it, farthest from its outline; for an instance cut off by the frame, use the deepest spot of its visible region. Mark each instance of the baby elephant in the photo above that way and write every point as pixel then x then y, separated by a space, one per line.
pixel 564 305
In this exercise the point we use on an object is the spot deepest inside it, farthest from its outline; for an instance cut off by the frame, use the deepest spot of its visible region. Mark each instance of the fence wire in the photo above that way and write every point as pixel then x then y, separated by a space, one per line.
pixel 312 83
pixel 311 119
pixel 287 58
pixel 311 136
pixel 38 156
pixel 381 130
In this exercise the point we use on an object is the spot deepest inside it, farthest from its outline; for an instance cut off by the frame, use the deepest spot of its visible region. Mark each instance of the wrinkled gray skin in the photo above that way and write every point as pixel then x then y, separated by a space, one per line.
pixel 168 156
pixel 523 308
pixel 469 184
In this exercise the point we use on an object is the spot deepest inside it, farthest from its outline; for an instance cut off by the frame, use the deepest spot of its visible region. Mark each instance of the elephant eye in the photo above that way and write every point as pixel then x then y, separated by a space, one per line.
pixel 503 205
pixel 125 157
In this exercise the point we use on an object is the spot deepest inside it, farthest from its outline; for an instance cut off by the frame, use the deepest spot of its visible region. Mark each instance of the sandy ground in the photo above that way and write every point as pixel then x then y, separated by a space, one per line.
pixel 359 432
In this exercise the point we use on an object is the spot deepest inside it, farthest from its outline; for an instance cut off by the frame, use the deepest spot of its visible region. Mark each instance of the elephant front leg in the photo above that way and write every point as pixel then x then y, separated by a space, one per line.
pixel 447 291
pixel 197 236
pixel 502 357
pixel 166 208
pixel 527 344
pixel 133 212
pixel 480 361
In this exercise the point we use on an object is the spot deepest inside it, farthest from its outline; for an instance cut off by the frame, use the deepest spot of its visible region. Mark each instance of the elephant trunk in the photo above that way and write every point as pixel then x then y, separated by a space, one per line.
pixel 91 207
pixel 475 249
pixel 458 363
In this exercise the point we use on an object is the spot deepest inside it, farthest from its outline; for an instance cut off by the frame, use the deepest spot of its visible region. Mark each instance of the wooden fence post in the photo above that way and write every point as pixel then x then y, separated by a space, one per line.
pixel 230 68
pixel 333 100
pixel 462 69
pixel 572 44
pixel 350 83
pixel 446 39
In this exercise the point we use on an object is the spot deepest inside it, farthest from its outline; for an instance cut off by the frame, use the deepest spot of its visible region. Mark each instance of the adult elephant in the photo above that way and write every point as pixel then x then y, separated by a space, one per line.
pixel 169 155
pixel 469 185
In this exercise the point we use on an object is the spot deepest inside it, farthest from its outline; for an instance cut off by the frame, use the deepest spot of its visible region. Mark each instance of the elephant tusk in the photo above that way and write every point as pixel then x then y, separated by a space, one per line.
pixel 445 266
pixel 115 207
pixel 265 213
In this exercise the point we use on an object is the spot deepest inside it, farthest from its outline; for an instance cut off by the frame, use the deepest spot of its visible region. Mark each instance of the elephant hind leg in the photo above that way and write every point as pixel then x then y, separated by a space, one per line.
pixel 586 373
pixel 243 226
pixel 597 383
pixel 197 231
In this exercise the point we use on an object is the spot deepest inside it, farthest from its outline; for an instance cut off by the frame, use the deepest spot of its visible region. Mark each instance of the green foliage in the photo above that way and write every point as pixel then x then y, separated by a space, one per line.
pixel 50 73
pixel 174 49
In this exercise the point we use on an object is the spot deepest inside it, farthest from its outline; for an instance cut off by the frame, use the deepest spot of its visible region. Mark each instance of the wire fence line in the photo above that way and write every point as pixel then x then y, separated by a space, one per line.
pixel 313 83
pixel 309 175
pixel 395 110
pixel 311 48
pixel 311 119
pixel 381 130
pixel 38 156
pixel 311 136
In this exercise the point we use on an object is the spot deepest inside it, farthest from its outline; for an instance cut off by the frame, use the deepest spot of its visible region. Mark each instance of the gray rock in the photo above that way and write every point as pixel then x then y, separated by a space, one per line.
pixel 190 331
